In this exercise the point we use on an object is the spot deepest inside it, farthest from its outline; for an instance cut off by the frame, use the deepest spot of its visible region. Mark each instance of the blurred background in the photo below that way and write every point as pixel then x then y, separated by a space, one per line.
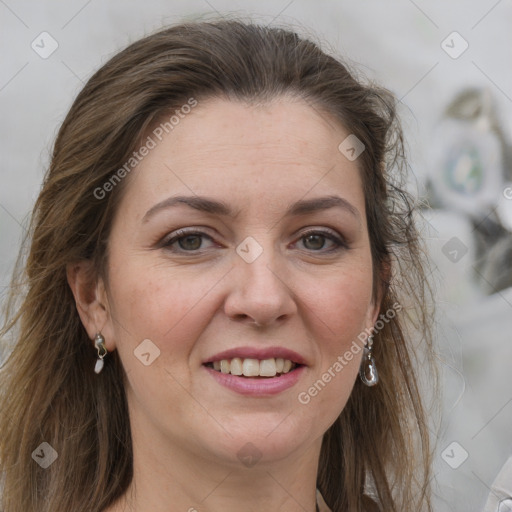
pixel 449 63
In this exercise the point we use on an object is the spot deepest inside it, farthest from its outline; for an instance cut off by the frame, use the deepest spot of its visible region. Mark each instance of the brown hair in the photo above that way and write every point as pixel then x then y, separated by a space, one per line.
pixel 379 445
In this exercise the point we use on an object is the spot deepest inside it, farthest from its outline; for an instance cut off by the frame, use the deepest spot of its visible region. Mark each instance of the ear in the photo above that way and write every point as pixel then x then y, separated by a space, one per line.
pixel 91 300
pixel 382 286
pixel 373 313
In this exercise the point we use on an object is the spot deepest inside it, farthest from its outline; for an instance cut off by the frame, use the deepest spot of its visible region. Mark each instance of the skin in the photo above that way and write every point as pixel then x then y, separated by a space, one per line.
pixel 187 429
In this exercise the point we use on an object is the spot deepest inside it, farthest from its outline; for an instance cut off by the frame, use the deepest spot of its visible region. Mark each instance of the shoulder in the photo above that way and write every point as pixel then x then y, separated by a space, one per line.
pixel 322 506
pixel 369 504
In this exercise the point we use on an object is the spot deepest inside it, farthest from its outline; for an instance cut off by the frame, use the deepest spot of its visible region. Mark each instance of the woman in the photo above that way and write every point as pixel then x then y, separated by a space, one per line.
pixel 222 267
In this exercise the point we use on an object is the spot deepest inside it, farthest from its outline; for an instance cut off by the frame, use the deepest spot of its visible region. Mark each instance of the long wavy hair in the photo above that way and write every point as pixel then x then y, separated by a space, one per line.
pixel 378 451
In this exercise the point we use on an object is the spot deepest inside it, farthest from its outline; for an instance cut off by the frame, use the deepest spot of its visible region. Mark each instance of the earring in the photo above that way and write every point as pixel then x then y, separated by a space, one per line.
pixel 99 342
pixel 368 371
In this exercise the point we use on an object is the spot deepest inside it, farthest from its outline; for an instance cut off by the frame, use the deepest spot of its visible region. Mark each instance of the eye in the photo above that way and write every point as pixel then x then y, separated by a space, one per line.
pixel 315 240
pixel 185 240
pixel 191 241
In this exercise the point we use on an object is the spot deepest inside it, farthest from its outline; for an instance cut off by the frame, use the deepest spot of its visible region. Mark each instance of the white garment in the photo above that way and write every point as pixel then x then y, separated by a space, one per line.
pixel 500 497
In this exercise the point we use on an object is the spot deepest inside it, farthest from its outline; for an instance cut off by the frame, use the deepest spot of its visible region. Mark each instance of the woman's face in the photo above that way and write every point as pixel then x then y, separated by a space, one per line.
pixel 273 262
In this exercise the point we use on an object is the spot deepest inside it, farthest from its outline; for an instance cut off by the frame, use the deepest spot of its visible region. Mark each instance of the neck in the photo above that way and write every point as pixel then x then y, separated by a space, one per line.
pixel 174 479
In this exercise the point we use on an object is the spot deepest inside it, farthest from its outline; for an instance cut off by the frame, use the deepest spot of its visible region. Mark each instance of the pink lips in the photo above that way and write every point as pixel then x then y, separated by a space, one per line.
pixel 258 386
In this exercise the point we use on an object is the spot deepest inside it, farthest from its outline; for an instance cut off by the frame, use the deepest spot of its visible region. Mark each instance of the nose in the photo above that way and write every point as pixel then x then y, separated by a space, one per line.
pixel 260 292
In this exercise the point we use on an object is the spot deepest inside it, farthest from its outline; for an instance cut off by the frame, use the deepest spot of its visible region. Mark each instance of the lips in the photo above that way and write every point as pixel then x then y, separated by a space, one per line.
pixel 256 372
pixel 257 386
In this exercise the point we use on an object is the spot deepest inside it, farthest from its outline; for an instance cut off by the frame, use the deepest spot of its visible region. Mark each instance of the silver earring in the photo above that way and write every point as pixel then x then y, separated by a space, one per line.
pixel 368 371
pixel 99 342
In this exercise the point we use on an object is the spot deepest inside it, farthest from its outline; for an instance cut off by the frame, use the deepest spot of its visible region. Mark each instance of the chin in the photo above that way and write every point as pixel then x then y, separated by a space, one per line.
pixel 261 439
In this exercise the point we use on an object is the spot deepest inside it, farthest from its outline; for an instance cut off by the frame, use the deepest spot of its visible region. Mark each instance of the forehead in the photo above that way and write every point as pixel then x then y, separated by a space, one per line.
pixel 281 148
pixel 285 126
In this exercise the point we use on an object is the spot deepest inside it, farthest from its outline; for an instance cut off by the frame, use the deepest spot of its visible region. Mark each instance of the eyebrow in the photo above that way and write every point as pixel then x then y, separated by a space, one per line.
pixel 212 206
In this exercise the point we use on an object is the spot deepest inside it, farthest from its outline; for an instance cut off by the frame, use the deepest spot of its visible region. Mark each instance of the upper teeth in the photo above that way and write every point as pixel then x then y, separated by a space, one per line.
pixel 254 367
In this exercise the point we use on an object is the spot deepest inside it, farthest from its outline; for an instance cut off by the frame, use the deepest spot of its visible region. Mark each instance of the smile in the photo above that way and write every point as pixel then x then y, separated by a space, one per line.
pixel 249 367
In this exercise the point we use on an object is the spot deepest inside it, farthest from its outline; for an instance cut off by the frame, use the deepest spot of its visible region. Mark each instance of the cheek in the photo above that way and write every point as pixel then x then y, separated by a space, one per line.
pixel 338 312
pixel 341 304
pixel 157 303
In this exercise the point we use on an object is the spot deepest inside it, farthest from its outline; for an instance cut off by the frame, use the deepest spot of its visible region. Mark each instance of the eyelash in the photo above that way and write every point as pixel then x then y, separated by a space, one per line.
pixel 339 243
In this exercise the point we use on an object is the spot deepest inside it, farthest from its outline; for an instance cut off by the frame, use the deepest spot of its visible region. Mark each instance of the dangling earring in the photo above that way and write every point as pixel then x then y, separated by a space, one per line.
pixel 368 371
pixel 99 342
